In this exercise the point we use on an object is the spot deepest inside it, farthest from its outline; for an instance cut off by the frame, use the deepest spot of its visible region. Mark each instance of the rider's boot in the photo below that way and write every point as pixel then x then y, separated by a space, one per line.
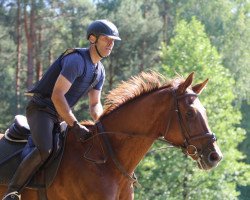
pixel 27 168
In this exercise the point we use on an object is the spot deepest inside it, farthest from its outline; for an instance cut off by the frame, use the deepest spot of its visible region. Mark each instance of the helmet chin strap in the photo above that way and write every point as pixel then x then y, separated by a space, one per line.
pixel 98 52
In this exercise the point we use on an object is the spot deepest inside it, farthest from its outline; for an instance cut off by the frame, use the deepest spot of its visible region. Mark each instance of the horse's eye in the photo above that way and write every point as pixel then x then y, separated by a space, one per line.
pixel 190 114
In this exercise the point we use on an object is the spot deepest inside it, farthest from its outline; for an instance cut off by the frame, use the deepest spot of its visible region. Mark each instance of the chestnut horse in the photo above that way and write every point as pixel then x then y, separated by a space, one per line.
pixel 138 112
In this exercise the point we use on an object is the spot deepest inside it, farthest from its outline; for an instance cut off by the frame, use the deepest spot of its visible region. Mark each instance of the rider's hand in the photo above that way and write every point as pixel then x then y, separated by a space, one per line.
pixel 80 131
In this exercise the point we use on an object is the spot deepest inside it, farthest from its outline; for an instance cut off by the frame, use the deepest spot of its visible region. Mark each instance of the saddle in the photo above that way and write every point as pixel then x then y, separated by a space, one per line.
pixel 19 131
pixel 17 143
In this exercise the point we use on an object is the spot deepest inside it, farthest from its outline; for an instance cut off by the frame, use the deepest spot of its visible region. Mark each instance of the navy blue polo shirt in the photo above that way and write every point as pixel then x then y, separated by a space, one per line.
pixel 80 73
pixel 78 69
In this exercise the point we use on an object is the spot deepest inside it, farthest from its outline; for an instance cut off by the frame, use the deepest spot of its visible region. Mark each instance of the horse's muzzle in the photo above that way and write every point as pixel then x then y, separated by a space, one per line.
pixel 209 161
pixel 214 157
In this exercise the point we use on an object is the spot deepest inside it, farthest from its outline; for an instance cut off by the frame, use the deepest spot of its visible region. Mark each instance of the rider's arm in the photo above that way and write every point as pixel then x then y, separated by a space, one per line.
pixel 61 87
pixel 95 105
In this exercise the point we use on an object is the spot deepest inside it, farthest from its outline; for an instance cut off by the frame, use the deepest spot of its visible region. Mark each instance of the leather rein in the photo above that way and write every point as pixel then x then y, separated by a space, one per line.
pixel 132 178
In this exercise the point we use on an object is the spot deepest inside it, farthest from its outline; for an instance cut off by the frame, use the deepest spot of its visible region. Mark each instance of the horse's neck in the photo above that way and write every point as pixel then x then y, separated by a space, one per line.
pixel 140 118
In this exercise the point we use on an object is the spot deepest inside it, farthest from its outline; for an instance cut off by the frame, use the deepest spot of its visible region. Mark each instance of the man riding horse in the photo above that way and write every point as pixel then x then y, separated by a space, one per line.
pixel 74 74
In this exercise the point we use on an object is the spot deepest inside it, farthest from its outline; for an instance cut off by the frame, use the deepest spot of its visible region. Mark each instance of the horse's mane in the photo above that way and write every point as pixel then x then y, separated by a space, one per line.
pixel 136 86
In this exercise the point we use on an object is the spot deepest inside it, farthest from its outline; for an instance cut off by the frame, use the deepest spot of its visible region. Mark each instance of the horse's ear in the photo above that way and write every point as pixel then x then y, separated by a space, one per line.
pixel 199 87
pixel 182 88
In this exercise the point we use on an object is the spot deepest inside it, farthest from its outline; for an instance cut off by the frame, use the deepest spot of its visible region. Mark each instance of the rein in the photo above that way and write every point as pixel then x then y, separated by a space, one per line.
pixel 132 178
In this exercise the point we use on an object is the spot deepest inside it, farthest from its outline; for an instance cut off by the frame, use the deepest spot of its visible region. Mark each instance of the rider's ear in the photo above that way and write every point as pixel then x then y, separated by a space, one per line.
pixel 199 87
pixel 92 39
pixel 182 88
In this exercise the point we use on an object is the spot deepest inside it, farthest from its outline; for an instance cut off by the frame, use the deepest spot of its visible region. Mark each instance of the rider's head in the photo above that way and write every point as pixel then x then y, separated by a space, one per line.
pixel 105 31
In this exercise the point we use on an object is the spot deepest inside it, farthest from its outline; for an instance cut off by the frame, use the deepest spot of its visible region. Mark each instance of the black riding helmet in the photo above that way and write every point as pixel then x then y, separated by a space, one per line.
pixel 103 27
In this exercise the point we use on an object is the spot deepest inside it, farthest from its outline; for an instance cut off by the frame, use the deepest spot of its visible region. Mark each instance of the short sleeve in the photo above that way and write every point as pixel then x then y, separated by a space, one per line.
pixel 72 66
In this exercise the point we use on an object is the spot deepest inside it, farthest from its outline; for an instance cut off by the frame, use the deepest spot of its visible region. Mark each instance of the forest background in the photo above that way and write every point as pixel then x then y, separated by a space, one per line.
pixel 208 37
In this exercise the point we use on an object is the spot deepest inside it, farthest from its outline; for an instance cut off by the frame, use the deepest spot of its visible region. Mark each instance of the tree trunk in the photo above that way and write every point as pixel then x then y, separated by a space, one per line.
pixel 19 48
pixel 29 23
pixel 165 21
pixel 39 66
pixel 143 47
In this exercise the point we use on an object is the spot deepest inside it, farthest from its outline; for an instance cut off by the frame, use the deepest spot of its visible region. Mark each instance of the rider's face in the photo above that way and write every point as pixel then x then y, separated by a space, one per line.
pixel 105 45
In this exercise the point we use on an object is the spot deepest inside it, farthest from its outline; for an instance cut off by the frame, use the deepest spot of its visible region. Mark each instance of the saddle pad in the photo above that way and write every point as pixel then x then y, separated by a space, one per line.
pixel 9 151
pixel 10 158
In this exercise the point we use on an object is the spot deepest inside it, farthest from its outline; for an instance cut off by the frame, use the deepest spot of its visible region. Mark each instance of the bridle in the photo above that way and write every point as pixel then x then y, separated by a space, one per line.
pixel 187 147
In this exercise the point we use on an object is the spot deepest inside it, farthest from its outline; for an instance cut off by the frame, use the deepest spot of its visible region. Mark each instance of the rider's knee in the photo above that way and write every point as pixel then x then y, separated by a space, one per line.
pixel 45 154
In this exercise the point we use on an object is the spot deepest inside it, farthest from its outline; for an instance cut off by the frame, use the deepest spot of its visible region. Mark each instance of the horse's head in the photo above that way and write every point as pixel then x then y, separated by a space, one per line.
pixel 188 127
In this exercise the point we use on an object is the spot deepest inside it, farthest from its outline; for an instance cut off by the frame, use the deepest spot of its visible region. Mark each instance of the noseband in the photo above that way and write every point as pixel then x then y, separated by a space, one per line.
pixel 187 147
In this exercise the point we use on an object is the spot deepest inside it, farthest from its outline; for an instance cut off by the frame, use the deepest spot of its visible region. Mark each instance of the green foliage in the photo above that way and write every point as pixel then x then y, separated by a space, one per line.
pixel 177 177
pixel 7 71
pixel 227 25
pixel 236 53
pixel 140 38
pixel 245 145
pixel 185 54
pixel 72 19
pixel 64 25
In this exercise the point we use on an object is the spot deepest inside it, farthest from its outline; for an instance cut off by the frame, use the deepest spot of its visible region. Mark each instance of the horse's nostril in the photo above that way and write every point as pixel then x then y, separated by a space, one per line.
pixel 214 157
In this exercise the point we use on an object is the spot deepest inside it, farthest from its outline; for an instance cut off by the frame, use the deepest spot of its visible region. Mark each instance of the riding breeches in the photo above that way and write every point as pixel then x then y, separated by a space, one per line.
pixel 42 123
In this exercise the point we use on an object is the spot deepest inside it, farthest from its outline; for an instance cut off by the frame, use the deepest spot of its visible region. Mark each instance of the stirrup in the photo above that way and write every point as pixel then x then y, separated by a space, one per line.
pixel 12 196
